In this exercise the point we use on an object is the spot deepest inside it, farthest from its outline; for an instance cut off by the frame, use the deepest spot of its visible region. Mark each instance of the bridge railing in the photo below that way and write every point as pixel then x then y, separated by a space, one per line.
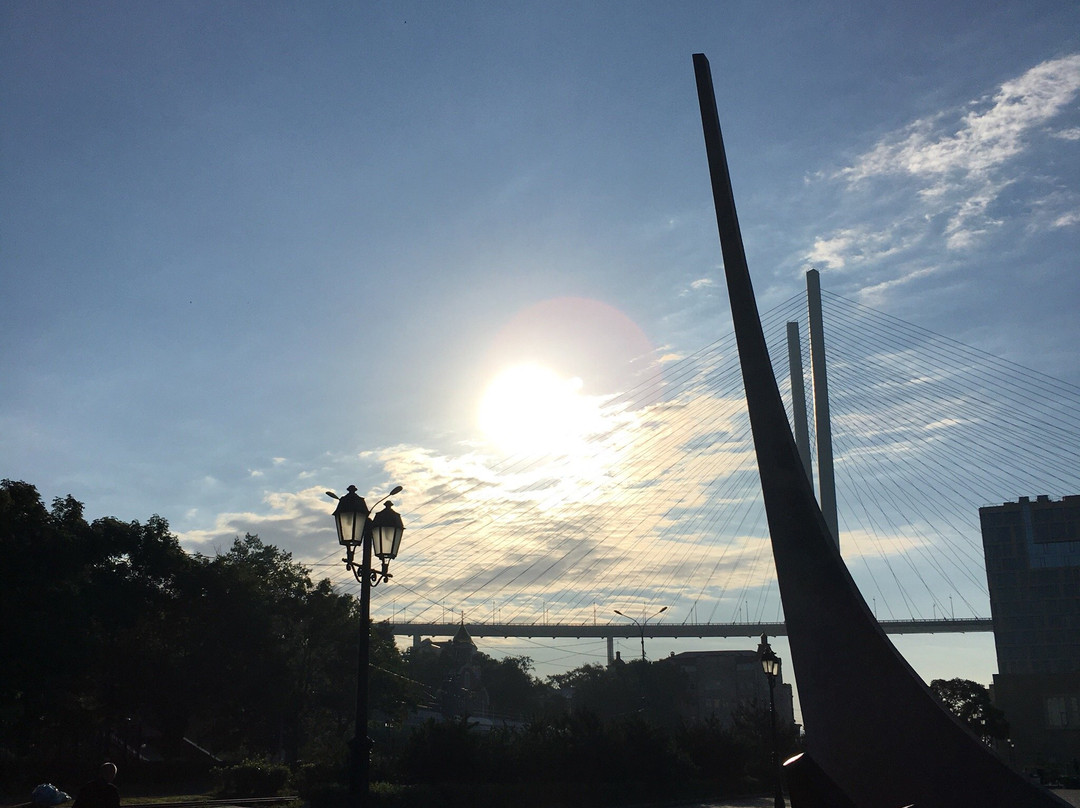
pixel 654 630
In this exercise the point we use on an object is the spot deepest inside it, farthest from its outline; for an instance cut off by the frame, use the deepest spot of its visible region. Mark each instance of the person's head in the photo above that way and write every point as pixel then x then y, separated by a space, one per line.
pixel 108 772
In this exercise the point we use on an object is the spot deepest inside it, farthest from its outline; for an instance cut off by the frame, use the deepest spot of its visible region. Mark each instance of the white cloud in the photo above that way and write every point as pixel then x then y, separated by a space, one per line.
pixel 668 356
pixel 859 543
pixel 981 140
pixel 856 246
pixel 295 521
pixel 1072 133
pixel 969 220
pixel 944 174
pixel 831 252
pixel 1067 219
pixel 876 294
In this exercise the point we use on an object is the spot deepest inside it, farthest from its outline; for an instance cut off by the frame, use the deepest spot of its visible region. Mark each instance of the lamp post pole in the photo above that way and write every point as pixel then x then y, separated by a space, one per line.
pixel 381 536
pixel 770 664
pixel 360 746
pixel 641 626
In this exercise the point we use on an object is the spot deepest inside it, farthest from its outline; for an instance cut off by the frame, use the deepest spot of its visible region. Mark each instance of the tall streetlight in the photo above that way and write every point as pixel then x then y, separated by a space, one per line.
pixel 644 621
pixel 380 535
pixel 770 663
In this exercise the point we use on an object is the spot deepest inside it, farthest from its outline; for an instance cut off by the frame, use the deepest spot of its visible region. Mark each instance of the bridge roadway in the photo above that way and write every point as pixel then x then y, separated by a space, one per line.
pixel 610 631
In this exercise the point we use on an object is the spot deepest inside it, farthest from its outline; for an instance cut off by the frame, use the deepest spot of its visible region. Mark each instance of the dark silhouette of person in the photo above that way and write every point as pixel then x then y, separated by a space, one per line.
pixel 99 792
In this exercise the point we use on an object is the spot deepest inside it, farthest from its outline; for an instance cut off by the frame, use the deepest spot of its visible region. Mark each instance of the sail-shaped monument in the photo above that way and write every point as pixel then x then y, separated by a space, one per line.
pixel 875 735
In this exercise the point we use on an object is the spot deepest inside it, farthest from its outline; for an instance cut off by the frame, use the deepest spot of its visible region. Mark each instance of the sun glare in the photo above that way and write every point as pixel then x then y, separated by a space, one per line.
pixel 531 409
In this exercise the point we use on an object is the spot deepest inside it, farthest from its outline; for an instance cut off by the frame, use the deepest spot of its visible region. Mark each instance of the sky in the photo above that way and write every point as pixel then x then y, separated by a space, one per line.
pixel 250 252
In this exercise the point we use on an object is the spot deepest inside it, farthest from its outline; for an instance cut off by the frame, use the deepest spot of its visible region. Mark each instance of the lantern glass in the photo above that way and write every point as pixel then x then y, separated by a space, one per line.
pixel 351 517
pixel 770 663
pixel 386 530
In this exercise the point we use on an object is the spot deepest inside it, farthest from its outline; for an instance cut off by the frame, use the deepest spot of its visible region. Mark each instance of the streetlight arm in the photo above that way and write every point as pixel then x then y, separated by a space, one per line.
pixel 396 490
pixel 363 571
pixel 641 624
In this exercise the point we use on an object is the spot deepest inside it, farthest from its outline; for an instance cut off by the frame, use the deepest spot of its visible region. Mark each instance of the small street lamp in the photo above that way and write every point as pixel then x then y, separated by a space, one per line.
pixel 770 664
pixel 641 625
pixel 380 535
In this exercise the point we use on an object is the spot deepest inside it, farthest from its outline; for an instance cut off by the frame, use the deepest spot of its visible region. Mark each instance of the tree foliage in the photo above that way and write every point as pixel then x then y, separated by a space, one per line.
pixel 649 690
pixel 970 702
pixel 512 689
pixel 113 633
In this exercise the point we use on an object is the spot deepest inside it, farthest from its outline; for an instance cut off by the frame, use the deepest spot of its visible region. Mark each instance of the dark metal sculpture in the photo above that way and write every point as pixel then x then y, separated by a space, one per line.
pixel 872 725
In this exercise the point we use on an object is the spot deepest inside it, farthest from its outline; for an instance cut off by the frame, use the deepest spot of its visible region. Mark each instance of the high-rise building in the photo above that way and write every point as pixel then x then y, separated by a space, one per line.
pixel 1032 551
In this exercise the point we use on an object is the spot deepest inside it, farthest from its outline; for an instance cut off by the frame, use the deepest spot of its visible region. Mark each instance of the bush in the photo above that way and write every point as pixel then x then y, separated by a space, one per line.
pixel 326 795
pixel 251 778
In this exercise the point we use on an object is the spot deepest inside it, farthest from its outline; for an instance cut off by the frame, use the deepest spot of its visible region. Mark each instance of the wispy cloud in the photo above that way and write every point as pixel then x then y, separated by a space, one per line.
pixel 296 521
pixel 1069 219
pixel 940 181
pixel 664 503
pixel 984 138
pixel 632 509
pixel 876 294
pixel 855 246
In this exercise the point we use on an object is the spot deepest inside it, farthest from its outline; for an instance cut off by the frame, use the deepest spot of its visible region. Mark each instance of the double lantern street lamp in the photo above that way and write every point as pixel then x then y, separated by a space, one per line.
pixel 770 664
pixel 379 535
pixel 641 625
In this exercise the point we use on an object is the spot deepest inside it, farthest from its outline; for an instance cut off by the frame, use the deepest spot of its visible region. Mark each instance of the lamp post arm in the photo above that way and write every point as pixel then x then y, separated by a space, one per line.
pixel 364 573
pixel 397 489
pixel 641 624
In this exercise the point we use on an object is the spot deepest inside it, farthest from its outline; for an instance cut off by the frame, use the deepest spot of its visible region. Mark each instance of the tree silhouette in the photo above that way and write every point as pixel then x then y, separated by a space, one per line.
pixel 114 635
pixel 970 702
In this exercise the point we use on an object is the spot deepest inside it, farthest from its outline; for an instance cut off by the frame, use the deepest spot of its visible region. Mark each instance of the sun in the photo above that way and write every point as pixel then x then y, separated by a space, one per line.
pixel 531 409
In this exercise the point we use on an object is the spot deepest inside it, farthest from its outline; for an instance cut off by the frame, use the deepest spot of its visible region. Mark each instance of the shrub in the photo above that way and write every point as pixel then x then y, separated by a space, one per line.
pixel 251 778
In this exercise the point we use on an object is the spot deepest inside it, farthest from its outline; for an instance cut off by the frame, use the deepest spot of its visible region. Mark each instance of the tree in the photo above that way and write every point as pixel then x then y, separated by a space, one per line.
pixel 111 626
pixel 89 631
pixel 511 686
pixel 392 692
pixel 649 690
pixel 970 702
pixel 277 674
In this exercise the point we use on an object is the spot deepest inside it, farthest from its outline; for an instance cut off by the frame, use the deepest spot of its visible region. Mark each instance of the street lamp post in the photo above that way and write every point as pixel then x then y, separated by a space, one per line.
pixel 380 535
pixel 641 625
pixel 770 664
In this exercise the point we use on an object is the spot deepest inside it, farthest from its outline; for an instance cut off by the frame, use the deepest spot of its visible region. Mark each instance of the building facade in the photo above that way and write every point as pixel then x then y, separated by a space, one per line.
pixel 1032 550
pixel 720 683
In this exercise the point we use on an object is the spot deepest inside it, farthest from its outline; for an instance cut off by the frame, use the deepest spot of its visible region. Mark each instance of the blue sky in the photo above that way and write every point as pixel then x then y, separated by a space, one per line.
pixel 251 251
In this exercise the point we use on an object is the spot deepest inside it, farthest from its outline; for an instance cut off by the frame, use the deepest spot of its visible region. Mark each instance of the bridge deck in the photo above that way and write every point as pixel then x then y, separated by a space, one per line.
pixel 700 630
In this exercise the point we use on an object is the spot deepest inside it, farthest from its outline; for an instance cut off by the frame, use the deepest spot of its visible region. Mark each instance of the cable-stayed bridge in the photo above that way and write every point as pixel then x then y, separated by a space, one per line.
pixel 657 503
